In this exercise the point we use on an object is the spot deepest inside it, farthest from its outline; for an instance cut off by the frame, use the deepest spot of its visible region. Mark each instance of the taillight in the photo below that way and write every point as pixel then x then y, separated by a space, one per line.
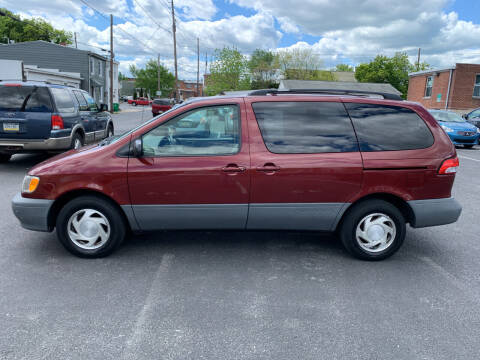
pixel 449 166
pixel 57 122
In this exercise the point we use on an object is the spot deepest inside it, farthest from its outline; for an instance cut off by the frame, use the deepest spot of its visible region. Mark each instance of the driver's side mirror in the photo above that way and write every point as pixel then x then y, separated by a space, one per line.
pixel 137 148
pixel 103 107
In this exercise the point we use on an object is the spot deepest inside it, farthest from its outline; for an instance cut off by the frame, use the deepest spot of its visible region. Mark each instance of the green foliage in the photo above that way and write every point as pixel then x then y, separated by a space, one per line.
pixel 302 64
pixel 263 66
pixel 344 67
pixel 121 76
pixel 229 72
pixel 147 78
pixel 393 70
pixel 29 30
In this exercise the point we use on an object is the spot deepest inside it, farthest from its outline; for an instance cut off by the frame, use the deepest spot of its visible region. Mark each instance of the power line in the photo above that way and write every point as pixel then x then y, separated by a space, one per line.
pixel 151 17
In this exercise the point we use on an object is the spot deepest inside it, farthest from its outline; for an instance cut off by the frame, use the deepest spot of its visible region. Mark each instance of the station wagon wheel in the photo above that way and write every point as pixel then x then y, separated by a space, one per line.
pixel 90 226
pixel 373 229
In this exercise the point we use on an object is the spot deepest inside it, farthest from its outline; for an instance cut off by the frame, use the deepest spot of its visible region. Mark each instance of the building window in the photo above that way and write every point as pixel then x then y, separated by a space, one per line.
pixel 100 68
pixel 92 66
pixel 429 86
pixel 476 87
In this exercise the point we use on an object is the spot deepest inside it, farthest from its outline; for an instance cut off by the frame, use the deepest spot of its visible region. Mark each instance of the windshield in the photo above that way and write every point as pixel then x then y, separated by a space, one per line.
pixel 447 116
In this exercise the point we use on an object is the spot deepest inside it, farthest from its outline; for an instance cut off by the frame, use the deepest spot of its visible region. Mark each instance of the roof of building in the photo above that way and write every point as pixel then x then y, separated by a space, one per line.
pixel 337 85
pixel 431 71
pixel 47 43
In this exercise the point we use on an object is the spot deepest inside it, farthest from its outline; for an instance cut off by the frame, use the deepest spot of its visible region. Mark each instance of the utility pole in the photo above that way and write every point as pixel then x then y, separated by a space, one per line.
pixel 110 107
pixel 174 30
pixel 158 73
pixel 418 60
pixel 206 65
pixel 75 35
pixel 198 65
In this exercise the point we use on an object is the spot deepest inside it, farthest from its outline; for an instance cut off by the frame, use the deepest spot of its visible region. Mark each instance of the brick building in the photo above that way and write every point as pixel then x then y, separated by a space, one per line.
pixel 454 88
pixel 188 89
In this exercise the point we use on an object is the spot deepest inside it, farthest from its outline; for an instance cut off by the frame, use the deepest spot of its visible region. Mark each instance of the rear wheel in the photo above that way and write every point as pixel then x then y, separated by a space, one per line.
pixel 373 230
pixel 90 226
pixel 134 103
pixel 5 158
pixel 468 146
pixel 77 141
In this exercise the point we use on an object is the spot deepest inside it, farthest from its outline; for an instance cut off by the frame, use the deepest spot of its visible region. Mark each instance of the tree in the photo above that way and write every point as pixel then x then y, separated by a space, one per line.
pixel 12 27
pixel 393 70
pixel 302 64
pixel 263 67
pixel 344 67
pixel 229 72
pixel 121 76
pixel 147 78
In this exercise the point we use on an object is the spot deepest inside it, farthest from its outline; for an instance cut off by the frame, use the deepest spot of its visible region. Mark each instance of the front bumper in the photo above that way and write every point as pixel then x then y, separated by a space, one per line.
pixel 32 213
pixel 462 140
pixel 433 212
pixel 26 145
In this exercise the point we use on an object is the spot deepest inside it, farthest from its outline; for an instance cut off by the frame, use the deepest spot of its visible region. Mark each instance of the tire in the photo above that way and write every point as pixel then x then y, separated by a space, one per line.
pixel 110 130
pixel 377 243
pixel 134 103
pixel 92 213
pixel 5 158
pixel 77 141
pixel 468 146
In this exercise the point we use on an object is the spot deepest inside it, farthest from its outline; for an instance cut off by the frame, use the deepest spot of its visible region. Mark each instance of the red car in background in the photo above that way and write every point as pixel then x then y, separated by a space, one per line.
pixel 139 101
pixel 160 105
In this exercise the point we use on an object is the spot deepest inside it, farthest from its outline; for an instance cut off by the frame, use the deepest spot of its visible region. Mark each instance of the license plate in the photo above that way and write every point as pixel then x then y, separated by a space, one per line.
pixel 11 127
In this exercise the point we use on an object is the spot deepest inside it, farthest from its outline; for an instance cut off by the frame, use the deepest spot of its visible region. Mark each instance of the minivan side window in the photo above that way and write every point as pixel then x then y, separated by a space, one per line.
pixel 305 127
pixel 213 130
pixel 384 128
pixel 25 98
pixel 63 100
pixel 81 101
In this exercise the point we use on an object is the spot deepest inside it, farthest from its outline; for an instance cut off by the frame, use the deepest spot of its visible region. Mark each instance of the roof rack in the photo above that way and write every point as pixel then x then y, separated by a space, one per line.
pixel 263 92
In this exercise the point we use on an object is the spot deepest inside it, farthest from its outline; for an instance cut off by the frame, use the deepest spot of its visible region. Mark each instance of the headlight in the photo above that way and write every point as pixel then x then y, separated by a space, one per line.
pixel 30 184
pixel 478 130
pixel 447 129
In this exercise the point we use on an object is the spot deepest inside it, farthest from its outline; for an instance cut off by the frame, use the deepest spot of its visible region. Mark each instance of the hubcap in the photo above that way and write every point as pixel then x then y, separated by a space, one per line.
pixel 77 144
pixel 375 232
pixel 88 229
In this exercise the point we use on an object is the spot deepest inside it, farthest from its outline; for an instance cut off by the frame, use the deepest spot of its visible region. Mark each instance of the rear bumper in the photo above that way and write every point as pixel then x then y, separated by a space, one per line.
pixel 32 213
pixel 26 145
pixel 434 212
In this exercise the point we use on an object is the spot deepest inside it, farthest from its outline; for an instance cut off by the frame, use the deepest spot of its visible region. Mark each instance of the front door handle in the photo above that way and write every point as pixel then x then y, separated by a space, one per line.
pixel 268 167
pixel 233 168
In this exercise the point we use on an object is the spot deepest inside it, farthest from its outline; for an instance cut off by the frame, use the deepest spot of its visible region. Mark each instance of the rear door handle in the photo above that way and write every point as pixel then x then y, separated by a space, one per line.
pixel 233 168
pixel 268 167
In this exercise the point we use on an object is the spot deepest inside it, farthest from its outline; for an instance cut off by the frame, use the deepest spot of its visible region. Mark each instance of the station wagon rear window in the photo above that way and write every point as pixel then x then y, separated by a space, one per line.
pixel 25 99
pixel 63 99
pixel 384 128
pixel 305 127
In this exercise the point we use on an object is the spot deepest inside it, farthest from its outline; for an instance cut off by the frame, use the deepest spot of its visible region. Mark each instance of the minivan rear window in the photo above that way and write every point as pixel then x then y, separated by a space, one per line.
pixel 305 127
pixel 384 128
pixel 25 99
pixel 161 102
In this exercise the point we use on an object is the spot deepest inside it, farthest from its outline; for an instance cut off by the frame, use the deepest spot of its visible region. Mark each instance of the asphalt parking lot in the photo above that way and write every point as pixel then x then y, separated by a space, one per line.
pixel 241 295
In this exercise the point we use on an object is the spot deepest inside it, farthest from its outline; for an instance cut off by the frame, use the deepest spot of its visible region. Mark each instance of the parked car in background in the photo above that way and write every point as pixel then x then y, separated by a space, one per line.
pixel 473 117
pixel 139 101
pixel 160 105
pixel 36 116
pixel 460 131
pixel 364 167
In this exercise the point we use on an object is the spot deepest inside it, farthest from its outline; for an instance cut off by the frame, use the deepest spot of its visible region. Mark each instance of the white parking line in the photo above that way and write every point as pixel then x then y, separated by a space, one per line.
pixel 469 158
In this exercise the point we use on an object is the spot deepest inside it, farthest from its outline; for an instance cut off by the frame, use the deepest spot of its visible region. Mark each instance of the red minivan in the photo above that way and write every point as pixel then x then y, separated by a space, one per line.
pixel 160 105
pixel 357 164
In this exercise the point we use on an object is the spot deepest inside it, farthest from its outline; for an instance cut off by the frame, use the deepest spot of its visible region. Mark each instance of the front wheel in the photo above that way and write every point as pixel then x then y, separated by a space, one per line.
pixel 90 227
pixel 134 104
pixel 373 230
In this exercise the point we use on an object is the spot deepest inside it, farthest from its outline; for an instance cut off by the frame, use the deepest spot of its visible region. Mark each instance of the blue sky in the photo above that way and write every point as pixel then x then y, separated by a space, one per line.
pixel 340 31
